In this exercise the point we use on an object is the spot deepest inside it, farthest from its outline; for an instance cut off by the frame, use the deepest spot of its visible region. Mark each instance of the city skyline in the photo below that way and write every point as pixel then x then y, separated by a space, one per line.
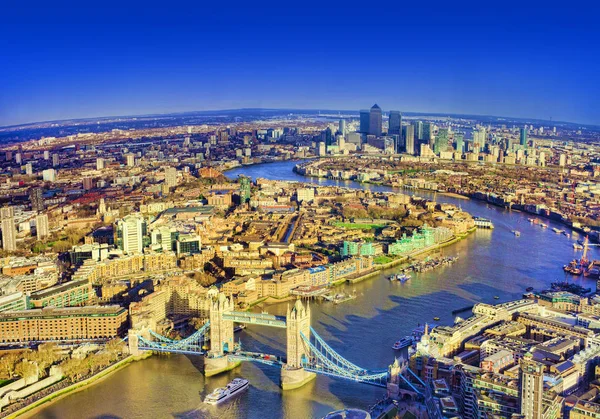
pixel 383 210
pixel 164 61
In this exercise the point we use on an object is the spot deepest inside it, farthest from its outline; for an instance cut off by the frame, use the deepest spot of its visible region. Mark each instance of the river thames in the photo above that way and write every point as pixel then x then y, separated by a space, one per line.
pixel 492 263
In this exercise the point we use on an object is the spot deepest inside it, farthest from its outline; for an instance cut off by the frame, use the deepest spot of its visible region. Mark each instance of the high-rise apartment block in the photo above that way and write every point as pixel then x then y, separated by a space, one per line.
pixel 9 232
pixel 42 228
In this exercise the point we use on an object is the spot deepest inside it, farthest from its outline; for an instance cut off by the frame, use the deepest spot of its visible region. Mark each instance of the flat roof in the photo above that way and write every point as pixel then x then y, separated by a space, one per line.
pixel 205 209
pixel 53 312
pixel 59 288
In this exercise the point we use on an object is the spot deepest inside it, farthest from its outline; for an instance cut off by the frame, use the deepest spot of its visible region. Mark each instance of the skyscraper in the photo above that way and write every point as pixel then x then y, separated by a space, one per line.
pixel 375 120
pixel 41 223
pixel 395 124
pixel 131 229
pixel 36 199
pixel 523 137
pixel 460 142
pixel 327 136
pixel 99 163
pixel 342 127
pixel 55 160
pixel 479 139
pixel 532 387
pixel 365 117
pixel 9 232
pixel 418 130
pixel 441 141
pixel 409 139
pixel 426 132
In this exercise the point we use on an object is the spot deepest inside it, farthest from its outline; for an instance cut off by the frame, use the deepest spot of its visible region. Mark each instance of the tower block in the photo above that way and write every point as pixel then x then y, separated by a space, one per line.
pixel 298 323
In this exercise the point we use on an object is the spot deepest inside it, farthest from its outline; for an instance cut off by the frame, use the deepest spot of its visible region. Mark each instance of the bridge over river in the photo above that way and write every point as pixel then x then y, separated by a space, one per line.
pixel 307 354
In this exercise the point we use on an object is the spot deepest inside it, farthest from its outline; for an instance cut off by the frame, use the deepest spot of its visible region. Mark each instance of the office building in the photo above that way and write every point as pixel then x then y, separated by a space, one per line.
pixel 532 387
pixel 479 140
pixel 365 117
pixel 188 245
pixel 523 137
pixel 418 130
pixel 36 199
pixel 342 127
pixel 131 232
pixel 375 120
pixel 55 160
pixel 18 158
pixel 409 139
pixel 427 133
pixel 29 169
pixel 441 141
pixel 460 142
pixel 327 136
pixel 99 163
pixel 9 232
pixel 395 123
pixel 321 149
pixel 42 228
pixel 354 138
pixel 46 155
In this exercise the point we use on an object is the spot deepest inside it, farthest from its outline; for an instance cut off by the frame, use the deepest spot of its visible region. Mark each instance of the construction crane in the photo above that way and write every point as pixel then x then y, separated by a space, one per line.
pixel 584 263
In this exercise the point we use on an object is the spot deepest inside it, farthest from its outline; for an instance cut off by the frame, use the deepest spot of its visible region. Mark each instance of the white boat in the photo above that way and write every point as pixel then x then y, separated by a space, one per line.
pixel 219 395
pixel 557 230
pixel 516 233
pixel 543 225
pixel 577 246
pixel 399 277
pixel 403 343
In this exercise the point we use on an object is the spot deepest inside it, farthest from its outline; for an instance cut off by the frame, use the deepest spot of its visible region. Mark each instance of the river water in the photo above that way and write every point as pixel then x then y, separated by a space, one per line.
pixel 492 263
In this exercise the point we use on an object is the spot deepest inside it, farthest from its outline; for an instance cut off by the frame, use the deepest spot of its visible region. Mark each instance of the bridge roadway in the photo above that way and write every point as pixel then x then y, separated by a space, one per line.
pixel 261 319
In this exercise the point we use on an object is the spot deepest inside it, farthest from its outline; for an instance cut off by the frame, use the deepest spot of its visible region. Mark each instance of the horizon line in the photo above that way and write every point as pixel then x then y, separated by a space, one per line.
pixel 183 113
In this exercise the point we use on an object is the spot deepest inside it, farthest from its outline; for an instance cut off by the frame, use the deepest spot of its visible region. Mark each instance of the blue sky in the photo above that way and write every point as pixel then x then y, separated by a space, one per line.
pixel 63 60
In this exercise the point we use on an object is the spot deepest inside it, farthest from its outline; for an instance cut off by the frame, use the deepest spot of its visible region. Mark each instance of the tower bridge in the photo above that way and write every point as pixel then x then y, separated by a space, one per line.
pixel 307 354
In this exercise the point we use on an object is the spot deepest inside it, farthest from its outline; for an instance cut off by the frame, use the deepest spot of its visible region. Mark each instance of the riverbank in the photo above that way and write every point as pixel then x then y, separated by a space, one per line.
pixel 32 409
pixel 431 249
pixel 594 236
pixel 455 195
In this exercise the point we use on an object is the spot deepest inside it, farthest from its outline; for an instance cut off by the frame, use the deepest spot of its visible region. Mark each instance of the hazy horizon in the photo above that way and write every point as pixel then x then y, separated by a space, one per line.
pixel 356 111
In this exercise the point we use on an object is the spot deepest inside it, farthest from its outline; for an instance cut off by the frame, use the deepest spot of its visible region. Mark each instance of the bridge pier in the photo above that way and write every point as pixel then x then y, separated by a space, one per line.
pixel 298 324
pixel 133 342
pixel 218 364
pixel 293 378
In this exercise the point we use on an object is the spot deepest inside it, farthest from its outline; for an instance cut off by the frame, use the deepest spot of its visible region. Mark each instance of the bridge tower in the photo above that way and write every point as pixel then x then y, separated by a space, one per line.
pixel 221 337
pixel 298 322
pixel 221 331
